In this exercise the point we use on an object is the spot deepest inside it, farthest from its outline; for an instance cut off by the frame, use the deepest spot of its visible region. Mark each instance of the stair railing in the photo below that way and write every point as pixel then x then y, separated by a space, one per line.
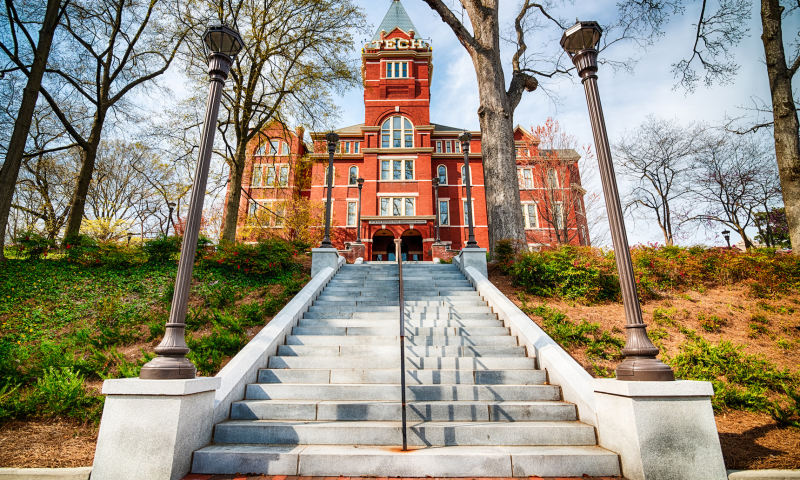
pixel 399 256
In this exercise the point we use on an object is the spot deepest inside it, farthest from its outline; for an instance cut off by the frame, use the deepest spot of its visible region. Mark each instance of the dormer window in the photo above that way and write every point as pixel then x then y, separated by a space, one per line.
pixel 397 132
pixel 273 147
pixel 396 69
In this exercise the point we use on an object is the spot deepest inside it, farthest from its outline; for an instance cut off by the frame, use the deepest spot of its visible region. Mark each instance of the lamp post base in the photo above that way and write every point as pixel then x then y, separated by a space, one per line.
pixel 168 367
pixel 644 369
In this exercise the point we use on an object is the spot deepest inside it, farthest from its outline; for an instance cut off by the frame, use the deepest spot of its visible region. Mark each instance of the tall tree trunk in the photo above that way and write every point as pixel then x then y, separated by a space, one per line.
pixel 496 116
pixel 22 126
pixel 786 128
pixel 234 194
pixel 77 205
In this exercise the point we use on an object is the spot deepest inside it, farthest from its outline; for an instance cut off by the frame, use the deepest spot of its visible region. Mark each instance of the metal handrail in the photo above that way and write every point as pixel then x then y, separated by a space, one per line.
pixel 399 256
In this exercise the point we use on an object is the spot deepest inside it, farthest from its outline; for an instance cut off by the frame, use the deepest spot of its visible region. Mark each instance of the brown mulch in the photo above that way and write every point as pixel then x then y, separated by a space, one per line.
pixel 754 441
pixel 47 444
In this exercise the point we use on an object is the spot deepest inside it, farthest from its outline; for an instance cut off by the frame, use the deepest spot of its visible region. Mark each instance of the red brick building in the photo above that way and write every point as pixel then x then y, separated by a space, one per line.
pixel 398 150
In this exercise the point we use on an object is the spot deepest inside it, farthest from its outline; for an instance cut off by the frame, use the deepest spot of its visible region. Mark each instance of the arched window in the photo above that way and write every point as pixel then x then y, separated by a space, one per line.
pixel 353 178
pixel 397 132
pixel 441 172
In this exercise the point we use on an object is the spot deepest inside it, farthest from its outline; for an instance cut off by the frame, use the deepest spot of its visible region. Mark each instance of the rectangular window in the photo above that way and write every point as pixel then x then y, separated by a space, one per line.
pixel 409 169
pixel 351 214
pixel 457 146
pixel 280 212
pixel 398 206
pixel 405 70
pixel 386 165
pixel 270 175
pixel 466 218
pixel 384 207
pixel 257 171
pixel 438 146
pixel 444 212
pixel 558 215
pixel 527 174
pixel 388 69
pixel 345 147
pixel 357 147
pixel 531 215
pixel 283 180
pixel 385 139
pixel 552 179
pixel 448 145
pixel 409 211
pixel 253 207
pixel 396 69
pixel 333 177
pixel 397 167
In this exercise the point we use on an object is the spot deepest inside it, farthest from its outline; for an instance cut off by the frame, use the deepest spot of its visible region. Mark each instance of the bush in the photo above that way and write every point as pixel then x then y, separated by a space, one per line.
pixel 741 381
pixel 32 245
pixel 84 250
pixel 163 249
pixel 61 392
pixel 268 258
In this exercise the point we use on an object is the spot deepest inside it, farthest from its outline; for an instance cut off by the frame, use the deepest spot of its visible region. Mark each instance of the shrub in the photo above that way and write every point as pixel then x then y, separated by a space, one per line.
pixel 163 249
pixel 61 392
pixel 741 381
pixel 88 252
pixel 267 258
pixel 32 245
pixel 711 323
pixel 504 251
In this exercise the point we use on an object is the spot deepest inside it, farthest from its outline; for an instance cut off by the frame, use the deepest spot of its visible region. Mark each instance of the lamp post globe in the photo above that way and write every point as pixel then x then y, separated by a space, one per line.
pixel 640 363
pixel 465 138
pixel 727 234
pixel 221 43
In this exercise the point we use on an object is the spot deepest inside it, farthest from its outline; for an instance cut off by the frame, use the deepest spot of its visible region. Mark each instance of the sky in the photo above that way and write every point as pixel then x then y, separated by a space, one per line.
pixel 627 96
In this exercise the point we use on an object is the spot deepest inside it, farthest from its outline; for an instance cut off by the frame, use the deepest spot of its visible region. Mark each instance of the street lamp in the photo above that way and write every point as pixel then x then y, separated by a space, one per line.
pixel 727 235
pixel 360 182
pixel 640 363
pixel 333 140
pixel 171 207
pixel 435 183
pixel 222 43
pixel 465 138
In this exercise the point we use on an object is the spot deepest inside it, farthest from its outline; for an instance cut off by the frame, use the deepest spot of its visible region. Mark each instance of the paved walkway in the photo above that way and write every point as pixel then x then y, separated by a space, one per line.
pixel 195 476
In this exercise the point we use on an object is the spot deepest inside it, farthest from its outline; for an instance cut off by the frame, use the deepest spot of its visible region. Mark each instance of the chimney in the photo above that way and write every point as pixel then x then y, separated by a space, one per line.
pixel 300 131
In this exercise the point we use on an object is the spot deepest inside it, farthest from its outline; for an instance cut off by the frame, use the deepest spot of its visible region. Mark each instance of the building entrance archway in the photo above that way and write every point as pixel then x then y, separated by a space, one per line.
pixel 383 246
pixel 411 245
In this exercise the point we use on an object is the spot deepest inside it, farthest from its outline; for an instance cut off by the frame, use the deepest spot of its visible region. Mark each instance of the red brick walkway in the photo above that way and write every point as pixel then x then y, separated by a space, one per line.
pixel 195 476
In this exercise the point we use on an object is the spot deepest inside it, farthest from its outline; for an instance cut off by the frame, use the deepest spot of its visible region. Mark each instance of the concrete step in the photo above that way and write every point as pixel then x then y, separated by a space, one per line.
pixel 369 340
pixel 394 323
pixel 386 392
pixel 376 461
pixel 457 363
pixel 290 432
pixel 413 376
pixel 310 410
pixel 393 351
pixel 394 329
pixel 379 306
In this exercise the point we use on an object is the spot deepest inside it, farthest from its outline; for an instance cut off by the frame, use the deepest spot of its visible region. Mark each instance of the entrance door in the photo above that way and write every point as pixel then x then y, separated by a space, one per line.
pixel 411 245
pixel 383 246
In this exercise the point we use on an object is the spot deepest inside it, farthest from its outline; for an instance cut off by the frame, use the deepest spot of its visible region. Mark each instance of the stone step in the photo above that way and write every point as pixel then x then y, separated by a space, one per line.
pixel 310 410
pixel 444 309
pixel 374 340
pixel 394 323
pixel 376 461
pixel 457 363
pixel 413 376
pixel 393 351
pixel 290 432
pixel 385 392
pixel 394 329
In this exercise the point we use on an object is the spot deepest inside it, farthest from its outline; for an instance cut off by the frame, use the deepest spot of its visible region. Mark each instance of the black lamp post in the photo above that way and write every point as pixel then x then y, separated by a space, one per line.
pixel 222 44
pixel 333 140
pixel 727 235
pixel 171 207
pixel 640 363
pixel 435 183
pixel 360 182
pixel 465 138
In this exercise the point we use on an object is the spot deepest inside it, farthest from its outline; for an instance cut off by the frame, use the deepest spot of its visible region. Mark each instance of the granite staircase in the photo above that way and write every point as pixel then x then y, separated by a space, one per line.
pixel 329 402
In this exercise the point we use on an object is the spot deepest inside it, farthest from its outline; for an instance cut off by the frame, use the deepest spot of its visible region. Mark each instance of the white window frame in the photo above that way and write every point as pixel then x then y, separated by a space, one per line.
pixel 559 221
pixel 553 181
pixel 352 215
pixel 456 146
pixel 441 165
pixel 448 146
pixel 389 202
pixel 277 209
pixel 525 214
pixel 357 147
pixel 446 203
pixel 462 170
pixel 325 177
pixel 396 69
pixel 406 132
pixel 404 170
pixel 464 217
pixel 257 180
pixel 281 150
pixel 525 178
pixel 438 146
pixel 352 180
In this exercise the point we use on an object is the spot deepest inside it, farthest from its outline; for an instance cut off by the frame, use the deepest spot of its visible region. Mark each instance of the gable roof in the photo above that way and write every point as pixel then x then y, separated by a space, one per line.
pixel 396 17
